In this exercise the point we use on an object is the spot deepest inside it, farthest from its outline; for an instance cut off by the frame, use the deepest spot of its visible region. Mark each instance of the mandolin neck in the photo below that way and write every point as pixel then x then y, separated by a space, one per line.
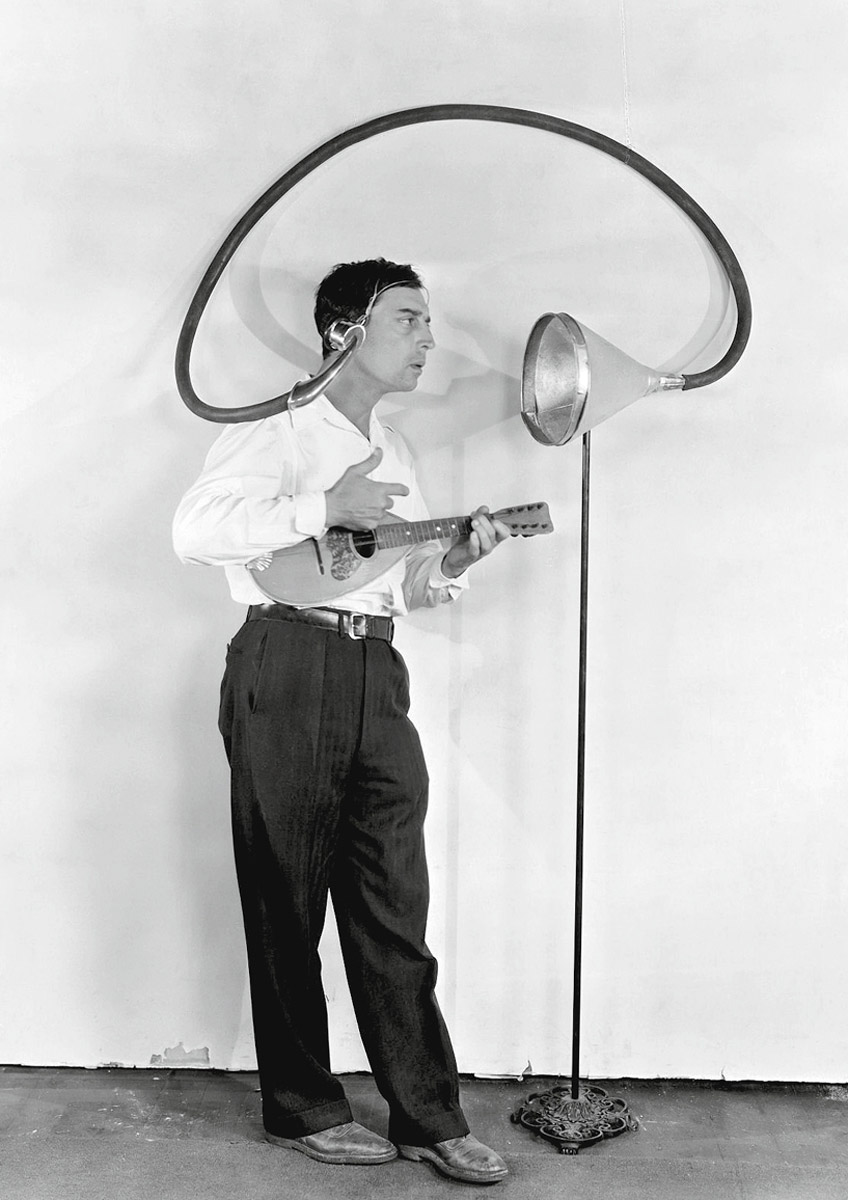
pixel 408 533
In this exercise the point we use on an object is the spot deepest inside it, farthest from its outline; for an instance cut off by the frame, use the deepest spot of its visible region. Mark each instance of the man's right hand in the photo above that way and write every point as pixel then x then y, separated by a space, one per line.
pixel 356 502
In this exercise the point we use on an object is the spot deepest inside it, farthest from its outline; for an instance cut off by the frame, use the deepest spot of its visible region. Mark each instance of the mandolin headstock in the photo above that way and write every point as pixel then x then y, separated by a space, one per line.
pixel 525 520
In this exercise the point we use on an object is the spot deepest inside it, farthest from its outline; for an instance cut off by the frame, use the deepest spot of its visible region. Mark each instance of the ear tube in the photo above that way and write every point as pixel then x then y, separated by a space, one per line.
pixel 307 390
pixel 347 341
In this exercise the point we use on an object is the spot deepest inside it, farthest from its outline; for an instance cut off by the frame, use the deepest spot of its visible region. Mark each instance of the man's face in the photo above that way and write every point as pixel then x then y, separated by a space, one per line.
pixel 398 339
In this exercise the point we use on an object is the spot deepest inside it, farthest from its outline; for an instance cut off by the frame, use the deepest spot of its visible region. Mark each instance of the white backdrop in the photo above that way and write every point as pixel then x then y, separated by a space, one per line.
pixel 715 918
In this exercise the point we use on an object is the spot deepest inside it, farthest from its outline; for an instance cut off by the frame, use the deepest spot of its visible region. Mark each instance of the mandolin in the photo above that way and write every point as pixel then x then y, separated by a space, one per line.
pixel 318 570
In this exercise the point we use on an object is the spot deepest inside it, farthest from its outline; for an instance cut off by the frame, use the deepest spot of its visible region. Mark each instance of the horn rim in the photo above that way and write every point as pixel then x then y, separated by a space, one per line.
pixel 550 420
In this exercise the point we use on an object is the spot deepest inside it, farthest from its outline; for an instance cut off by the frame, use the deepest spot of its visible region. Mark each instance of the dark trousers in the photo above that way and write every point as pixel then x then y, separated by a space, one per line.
pixel 329 792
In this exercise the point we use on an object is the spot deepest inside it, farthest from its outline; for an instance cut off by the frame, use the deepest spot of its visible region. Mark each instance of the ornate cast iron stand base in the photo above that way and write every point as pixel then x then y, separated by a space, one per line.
pixel 572 1124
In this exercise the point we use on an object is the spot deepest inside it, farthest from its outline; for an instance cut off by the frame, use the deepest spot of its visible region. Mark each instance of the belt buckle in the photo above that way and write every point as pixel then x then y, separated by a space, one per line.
pixel 356 625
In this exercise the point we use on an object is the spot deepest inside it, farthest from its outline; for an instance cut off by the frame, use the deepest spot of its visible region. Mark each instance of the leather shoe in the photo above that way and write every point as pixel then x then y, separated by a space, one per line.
pixel 462 1158
pixel 349 1144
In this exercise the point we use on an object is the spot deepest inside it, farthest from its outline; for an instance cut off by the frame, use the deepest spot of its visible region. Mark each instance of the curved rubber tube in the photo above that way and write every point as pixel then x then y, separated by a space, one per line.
pixel 449 112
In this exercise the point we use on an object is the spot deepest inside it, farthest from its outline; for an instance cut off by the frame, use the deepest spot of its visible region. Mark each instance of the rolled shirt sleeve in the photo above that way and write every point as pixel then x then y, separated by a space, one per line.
pixel 425 585
pixel 244 504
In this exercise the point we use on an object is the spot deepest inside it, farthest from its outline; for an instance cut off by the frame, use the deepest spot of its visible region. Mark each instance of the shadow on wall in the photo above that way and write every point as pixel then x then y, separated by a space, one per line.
pixel 477 397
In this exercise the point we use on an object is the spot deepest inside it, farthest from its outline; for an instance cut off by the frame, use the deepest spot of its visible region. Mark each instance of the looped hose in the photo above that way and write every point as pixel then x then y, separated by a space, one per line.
pixel 307 390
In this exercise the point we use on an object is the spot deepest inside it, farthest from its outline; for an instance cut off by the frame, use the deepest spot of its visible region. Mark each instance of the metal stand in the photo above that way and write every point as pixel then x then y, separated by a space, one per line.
pixel 586 1114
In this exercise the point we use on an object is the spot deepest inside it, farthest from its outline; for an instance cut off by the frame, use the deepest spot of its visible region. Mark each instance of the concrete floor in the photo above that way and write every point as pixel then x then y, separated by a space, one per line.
pixel 117 1134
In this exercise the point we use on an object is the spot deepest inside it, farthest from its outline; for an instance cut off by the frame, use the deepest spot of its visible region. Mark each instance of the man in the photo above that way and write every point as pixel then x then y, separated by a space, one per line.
pixel 329 785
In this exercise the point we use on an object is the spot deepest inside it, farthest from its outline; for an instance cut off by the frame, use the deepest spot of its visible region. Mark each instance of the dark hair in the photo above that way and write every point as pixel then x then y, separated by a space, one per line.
pixel 347 292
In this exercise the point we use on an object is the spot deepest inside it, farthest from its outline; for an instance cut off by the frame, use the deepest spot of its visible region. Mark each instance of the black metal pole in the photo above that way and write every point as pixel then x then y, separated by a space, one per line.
pixel 581 1118
pixel 581 772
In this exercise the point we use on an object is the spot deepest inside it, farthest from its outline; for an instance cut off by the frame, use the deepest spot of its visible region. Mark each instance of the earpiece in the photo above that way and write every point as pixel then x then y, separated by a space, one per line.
pixel 338 335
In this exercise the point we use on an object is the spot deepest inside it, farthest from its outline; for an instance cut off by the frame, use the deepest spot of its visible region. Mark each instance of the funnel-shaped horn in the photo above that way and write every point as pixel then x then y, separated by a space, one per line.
pixel 573 379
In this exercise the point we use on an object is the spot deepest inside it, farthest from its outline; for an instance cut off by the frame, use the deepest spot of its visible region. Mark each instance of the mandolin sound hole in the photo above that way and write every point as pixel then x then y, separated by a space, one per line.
pixel 364 542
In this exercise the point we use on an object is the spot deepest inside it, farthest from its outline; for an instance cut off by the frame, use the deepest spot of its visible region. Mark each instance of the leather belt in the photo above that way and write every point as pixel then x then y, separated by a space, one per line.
pixel 346 624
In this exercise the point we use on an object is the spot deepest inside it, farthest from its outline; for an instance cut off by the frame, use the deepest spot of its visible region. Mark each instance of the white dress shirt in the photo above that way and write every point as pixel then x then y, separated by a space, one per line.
pixel 263 488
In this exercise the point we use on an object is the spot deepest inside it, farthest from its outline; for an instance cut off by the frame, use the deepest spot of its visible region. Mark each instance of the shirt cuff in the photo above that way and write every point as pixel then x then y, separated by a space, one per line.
pixel 310 513
pixel 287 520
pixel 438 579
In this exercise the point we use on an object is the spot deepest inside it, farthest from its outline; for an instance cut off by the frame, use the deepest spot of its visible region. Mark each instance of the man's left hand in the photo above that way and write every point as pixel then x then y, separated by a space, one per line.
pixel 486 533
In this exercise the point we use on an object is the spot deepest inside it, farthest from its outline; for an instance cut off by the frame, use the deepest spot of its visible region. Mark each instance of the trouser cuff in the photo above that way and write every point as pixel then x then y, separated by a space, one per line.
pixel 311 1120
pixel 427 1130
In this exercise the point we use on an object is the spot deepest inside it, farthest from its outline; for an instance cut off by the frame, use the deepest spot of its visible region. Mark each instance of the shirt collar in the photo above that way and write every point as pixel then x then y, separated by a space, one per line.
pixel 321 409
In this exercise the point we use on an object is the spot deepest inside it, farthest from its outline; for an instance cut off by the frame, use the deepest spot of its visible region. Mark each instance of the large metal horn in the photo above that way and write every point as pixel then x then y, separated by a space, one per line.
pixel 573 379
